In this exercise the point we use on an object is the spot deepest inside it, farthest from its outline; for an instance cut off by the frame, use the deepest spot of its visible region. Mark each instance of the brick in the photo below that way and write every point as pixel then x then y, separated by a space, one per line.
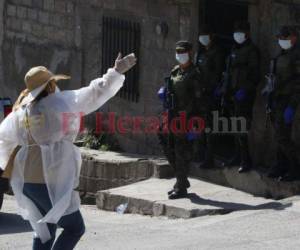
pixel 15 24
pixel 38 3
pixel 49 31
pixel 68 22
pixel 44 17
pixel 21 36
pixel 49 5
pixel 21 12
pixel 60 36
pixel 60 6
pixel 27 2
pixel 70 7
pixel 37 30
pixel 11 10
pixel 26 27
pixel 56 20
pixel 32 14
pixel 10 34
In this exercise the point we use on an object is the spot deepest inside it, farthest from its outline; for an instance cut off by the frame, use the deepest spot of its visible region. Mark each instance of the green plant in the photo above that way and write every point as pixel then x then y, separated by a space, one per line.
pixel 104 142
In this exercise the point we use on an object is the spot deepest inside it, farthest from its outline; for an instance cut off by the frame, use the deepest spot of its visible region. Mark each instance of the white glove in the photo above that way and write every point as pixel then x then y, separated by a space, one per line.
pixel 122 65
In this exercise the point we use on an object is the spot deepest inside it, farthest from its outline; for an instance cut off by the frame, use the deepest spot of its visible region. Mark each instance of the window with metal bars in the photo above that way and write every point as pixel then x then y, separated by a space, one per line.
pixel 122 36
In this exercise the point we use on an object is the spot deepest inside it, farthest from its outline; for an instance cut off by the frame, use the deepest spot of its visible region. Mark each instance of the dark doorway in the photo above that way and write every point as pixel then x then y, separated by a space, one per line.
pixel 221 15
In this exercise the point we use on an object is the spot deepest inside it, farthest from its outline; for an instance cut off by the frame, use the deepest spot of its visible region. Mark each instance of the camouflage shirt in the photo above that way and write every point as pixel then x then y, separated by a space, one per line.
pixel 186 88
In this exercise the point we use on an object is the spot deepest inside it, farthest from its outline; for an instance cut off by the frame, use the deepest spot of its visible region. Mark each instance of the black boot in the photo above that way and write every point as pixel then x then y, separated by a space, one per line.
pixel 245 167
pixel 208 161
pixel 276 172
pixel 178 194
pixel 280 169
pixel 176 186
pixel 234 161
pixel 246 164
pixel 293 174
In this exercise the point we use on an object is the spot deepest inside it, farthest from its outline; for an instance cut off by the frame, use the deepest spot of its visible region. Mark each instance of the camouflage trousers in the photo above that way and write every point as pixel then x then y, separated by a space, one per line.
pixel 178 151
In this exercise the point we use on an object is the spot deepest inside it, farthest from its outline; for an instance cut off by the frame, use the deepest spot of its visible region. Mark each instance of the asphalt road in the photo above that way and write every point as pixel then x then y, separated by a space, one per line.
pixel 253 229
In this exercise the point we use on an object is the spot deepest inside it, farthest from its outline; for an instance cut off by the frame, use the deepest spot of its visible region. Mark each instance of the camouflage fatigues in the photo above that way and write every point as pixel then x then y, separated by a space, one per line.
pixel 245 74
pixel 185 86
pixel 287 89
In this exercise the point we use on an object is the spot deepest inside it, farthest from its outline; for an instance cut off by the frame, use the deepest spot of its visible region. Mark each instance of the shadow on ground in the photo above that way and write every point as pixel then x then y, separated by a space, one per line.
pixel 13 224
pixel 232 206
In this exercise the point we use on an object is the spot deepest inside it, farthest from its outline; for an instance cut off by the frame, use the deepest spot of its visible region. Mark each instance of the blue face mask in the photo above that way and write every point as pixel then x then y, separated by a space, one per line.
pixel 239 37
pixel 285 44
pixel 182 58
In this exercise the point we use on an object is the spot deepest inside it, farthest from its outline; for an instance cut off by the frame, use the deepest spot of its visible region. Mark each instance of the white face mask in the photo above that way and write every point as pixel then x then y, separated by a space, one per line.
pixel 182 58
pixel 239 37
pixel 204 40
pixel 285 44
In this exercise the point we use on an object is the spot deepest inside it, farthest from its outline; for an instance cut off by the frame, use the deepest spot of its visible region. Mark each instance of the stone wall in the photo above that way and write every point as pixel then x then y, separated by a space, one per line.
pixel 38 32
pixel 67 36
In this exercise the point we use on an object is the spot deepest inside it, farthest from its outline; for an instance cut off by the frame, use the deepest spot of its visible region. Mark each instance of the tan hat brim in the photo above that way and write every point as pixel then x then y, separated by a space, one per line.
pixel 35 93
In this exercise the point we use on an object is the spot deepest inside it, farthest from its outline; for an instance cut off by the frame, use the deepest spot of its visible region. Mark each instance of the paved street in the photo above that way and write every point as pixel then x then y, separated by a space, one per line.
pixel 254 229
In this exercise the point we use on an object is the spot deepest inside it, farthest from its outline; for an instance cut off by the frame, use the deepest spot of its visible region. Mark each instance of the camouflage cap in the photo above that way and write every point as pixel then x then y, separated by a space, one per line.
pixel 184 45
pixel 286 31
pixel 242 26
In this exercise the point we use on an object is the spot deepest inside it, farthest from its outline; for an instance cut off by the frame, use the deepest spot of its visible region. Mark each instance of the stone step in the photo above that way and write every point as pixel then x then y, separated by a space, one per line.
pixel 254 182
pixel 150 198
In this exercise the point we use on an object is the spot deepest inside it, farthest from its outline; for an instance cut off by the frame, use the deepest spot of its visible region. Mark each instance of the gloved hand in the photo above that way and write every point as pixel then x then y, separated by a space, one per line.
pixel 192 136
pixel 218 93
pixel 240 95
pixel 289 115
pixel 122 65
pixel 162 94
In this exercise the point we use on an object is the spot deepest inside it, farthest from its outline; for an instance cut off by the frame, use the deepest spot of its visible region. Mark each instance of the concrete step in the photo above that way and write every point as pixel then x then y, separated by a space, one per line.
pixel 150 198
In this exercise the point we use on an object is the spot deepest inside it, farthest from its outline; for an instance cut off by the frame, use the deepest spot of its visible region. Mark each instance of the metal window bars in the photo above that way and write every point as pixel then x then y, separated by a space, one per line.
pixel 122 36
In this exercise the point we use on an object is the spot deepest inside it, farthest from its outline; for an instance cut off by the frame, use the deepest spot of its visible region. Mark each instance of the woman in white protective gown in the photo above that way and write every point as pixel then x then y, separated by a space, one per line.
pixel 43 126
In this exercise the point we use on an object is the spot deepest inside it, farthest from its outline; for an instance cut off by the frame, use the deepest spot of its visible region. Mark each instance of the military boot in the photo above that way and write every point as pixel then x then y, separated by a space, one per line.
pixel 178 194
pixel 186 185
pixel 208 161
pixel 246 163
pixel 278 170
pixel 293 172
pixel 234 161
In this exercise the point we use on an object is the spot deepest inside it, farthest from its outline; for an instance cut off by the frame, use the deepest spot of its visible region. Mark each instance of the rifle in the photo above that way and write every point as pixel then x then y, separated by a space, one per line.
pixel 225 84
pixel 269 89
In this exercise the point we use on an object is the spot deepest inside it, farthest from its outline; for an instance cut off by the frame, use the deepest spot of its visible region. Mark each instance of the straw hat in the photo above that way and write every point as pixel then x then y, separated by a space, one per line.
pixel 36 80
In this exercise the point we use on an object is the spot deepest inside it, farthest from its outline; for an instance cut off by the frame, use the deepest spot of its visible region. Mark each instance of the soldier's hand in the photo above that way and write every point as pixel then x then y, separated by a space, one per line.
pixel 122 65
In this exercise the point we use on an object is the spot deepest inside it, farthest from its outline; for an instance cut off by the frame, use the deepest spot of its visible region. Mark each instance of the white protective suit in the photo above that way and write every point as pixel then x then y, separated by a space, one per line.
pixel 57 127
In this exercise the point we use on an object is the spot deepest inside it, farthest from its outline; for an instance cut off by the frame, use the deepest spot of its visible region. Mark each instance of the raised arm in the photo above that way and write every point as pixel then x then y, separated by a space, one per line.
pixel 89 99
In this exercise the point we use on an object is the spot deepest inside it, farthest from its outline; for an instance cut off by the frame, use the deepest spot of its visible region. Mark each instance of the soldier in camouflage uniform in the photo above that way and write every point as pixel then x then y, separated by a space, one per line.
pixel 245 76
pixel 210 62
pixel 285 101
pixel 184 81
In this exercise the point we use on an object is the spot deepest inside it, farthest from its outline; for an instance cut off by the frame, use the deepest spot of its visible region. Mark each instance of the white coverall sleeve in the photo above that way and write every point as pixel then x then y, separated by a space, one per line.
pixel 89 99
pixel 8 138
